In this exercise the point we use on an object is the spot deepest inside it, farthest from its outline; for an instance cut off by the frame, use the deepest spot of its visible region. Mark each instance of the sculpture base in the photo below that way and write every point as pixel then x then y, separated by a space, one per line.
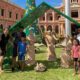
pixel 66 60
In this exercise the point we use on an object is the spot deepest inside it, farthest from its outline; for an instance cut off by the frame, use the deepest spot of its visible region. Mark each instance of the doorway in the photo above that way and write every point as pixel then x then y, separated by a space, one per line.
pixel 74 29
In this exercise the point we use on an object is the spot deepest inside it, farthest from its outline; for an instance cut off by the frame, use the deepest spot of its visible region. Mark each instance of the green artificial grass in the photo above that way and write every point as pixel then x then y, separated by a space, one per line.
pixel 54 72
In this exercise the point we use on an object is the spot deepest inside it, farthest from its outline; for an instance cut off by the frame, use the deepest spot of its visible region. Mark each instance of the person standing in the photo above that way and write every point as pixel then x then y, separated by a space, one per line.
pixel 22 49
pixel 3 43
pixel 16 38
pixel 75 54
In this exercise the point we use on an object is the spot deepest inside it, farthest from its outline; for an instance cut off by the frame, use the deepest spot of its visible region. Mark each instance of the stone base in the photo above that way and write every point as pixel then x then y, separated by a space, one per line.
pixel 51 58
pixel 51 55
pixel 66 60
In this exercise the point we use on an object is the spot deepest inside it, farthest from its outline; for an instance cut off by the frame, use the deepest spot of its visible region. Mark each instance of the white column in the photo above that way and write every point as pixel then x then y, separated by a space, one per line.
pixel 79 12
pixel 53 28
pixel 45 17
pixel 53 15
pixel 59 28
pixel 62 29
pixel 45 26
pixel 67 22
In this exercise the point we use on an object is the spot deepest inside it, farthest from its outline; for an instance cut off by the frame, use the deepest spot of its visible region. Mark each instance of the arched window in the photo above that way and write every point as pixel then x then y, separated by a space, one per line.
pixel 74 13
pixel 49 28
pixel 9 26
pixel 42 18
pixel 74 1
pixel 1 26
pixel 57 16
pixel 56 29
pixel 71 1
pixel 49 16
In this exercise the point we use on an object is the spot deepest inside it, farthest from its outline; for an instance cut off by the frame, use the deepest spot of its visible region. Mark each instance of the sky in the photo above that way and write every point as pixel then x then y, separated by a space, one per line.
pixel 22 3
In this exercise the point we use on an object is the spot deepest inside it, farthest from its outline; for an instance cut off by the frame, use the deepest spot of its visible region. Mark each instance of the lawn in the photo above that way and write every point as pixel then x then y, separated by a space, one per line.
pixel 54 72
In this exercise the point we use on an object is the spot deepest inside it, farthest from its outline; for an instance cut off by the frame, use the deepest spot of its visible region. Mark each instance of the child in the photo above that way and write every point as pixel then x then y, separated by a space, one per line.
pixel 22 47
pixel 75 54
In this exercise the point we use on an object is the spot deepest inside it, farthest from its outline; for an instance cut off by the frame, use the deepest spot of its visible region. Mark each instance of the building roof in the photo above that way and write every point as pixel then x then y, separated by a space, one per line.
pixel 13 4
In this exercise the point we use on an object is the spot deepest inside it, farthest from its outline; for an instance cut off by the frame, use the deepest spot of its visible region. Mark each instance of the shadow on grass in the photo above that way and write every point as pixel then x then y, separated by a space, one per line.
pixel 26 69
pixel 51 64
pixel 40 52
pixel 48 64
pixel 54 64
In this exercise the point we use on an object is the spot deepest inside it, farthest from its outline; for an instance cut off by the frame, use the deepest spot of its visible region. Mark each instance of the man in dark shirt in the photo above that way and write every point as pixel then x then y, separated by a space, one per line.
pixel 3 42
pixel 16 38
